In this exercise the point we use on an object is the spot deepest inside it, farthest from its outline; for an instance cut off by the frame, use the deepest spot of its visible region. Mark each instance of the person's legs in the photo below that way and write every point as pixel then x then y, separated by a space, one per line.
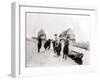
pixel 38 50
pixel 63 56
pixel 49 46
pixel 58 53
pixel 66 57
pixel 55 50
pixel 45 47
pixel 39 46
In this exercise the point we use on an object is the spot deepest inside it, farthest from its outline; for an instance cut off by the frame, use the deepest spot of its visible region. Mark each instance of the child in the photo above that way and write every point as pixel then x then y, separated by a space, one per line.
pixel 66 48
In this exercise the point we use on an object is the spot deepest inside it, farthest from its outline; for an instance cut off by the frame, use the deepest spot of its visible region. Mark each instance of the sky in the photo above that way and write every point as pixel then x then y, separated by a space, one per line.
pixel 53 23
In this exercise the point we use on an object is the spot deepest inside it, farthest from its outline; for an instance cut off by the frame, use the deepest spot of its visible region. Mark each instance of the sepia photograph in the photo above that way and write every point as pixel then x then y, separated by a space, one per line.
pixel 56 39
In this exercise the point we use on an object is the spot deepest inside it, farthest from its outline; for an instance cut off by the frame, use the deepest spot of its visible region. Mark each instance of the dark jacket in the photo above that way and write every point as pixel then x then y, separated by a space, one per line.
pixel 59 47
pixel 39 42
pixel 66 48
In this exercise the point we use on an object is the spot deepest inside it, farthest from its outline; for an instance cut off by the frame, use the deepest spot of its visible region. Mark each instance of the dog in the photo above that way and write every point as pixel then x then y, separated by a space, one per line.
pixel 47 44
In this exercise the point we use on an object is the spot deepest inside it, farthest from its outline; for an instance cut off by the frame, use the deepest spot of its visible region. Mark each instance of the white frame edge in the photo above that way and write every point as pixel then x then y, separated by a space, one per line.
pixel 14 40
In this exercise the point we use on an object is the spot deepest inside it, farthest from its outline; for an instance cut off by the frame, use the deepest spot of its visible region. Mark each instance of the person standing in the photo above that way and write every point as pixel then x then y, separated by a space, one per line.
pixel 55 43
pixel 66 48
pixel 39 44
pixel 59 47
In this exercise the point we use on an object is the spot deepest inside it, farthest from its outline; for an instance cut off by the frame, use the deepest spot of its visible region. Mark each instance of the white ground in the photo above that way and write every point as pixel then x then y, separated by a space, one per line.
pixel 48 57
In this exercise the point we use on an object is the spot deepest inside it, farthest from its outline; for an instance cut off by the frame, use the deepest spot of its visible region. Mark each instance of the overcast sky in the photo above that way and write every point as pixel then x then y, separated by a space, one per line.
pixel 53 23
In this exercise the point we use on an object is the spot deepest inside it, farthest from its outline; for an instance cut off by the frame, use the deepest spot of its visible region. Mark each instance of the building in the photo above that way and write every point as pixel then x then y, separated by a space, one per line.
pixel 42 34
pixel 68 33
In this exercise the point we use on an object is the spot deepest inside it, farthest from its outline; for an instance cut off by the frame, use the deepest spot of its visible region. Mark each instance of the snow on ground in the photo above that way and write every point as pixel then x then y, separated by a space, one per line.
pixel 48 57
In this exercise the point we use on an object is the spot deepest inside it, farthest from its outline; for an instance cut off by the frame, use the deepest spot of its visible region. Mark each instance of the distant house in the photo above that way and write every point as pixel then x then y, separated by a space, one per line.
pixel 42 34
pixel 68 33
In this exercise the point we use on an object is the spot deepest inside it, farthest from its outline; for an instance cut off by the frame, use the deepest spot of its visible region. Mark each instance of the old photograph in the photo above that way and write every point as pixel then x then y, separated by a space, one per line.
pixel 56 39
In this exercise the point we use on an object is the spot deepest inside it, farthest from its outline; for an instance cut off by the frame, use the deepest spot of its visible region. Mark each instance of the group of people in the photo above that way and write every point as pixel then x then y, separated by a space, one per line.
pixel 57 46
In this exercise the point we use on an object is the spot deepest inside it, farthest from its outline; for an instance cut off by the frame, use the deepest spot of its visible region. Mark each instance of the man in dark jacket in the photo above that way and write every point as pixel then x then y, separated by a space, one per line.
pixel 54 46
pixel 39 44
pixel 66 48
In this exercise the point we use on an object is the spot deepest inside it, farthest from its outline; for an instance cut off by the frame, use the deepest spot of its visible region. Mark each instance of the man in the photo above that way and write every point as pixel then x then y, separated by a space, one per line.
pixel 39 44
pixel 55 43
pixel 59 48
pixel 66 48
pixel 54 46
